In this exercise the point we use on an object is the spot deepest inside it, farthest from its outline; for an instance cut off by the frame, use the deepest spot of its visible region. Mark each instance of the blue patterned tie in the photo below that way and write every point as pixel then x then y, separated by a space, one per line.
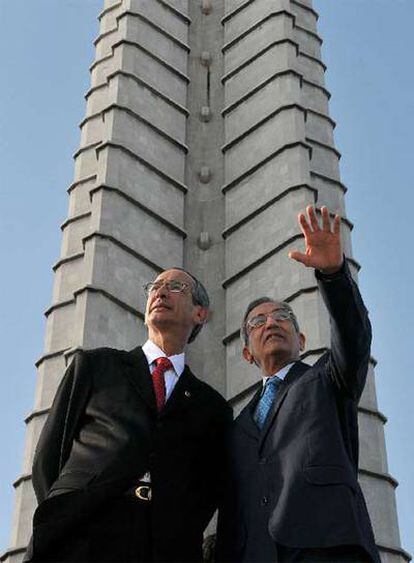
pixel 266 400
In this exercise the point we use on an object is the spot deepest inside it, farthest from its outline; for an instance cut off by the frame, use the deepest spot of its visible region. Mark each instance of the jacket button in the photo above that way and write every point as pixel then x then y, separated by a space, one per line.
pixel 264 501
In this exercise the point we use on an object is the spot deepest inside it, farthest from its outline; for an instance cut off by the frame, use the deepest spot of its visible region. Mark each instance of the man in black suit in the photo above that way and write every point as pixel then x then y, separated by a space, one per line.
pixel 129 463
pixel 293 493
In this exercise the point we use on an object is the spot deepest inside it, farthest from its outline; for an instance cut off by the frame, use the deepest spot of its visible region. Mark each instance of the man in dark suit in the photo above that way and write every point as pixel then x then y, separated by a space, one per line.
pixel 129 463
pixel 293 493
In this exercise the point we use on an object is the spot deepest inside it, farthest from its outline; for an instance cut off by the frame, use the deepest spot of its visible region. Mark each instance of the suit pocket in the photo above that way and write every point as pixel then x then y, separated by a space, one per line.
pixel 329 475
pixel 71 481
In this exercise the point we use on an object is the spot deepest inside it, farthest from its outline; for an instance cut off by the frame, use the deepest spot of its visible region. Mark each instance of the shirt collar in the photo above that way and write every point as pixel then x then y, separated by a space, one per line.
pixel 281 374
pixel 152 352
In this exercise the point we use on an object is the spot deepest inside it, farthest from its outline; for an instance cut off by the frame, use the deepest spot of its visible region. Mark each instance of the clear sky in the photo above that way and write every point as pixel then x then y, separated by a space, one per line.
pixel 46 48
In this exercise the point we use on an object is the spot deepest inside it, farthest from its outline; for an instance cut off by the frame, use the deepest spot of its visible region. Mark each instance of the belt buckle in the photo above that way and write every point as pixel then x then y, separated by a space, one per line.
pixel 143 492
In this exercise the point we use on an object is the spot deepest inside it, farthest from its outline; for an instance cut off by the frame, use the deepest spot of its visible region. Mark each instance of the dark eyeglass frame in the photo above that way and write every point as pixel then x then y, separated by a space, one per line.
pixel 260 320
pixel 173 286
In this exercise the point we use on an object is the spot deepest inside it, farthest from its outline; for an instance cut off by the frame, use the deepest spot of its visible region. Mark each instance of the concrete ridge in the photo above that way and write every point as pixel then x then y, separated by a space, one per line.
pixel 172 226
pixel 259 87
pixel 101 60
pixel 310 32
pixel 255 167
pixel 317 86
pixel 81 181
pixel 305 7
pixel 160 60
pixel 323 116
pixel 58 305
pixel 140 81
pixel 175 11
pixel 230 230
pixel 104 34
pixel 254 26
pixel 34 413
pixel 330 180
pixel 373 412
pixel 75 218
pixel 86 148
pixel 243 271
pixel 90 288
pixel 125 248
pixel 157 27
pixel 149 124
pixel 322 145
pixel 257 55
pixel 378 475
pixel 261 122
pixel 109 9
pixel 139 117
pixel 50 355
pixel 234 277
pixel 303 53
pixel 234 12
pixel 69 258
pixel 149 165
pixel 395 550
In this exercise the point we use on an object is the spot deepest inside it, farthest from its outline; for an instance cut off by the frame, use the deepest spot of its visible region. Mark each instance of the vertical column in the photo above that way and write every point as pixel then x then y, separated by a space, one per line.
pixel 204 209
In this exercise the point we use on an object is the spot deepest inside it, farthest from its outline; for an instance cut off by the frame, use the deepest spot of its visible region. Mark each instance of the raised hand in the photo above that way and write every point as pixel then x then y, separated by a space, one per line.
pixel 323 244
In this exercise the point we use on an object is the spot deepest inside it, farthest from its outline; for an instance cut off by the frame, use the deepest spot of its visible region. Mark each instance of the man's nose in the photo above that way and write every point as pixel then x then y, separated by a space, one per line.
pixel 161 290
pixel 270 321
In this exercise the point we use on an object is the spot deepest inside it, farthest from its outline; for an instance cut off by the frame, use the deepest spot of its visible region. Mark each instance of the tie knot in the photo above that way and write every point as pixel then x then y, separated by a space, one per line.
pixel 163 364
pixel 273 381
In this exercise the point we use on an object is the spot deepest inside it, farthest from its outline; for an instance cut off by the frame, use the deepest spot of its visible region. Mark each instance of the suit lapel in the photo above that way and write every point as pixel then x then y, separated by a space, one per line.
pixel 184 395
pixel 294 373
pixel 245 419
pixel 138 374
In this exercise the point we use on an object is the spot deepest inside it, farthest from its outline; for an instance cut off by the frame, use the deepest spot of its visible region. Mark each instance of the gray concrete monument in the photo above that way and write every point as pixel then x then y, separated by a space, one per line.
pixel 207 130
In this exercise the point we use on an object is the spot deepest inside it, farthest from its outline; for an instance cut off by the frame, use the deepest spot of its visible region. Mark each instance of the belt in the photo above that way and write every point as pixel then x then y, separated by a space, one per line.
pixel 142 492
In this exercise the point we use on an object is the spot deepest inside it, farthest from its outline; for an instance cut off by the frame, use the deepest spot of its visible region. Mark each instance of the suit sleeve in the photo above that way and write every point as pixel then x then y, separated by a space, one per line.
pixel 57 435
pixel 350 331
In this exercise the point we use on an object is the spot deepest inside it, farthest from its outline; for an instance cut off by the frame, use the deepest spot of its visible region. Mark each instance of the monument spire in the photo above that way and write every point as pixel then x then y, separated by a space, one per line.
pixel 207 130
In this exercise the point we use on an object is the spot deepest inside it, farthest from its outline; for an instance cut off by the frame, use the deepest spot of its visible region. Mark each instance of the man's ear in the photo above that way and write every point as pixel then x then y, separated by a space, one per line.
pixel 201 314
pixel 302 341
pixel 247 355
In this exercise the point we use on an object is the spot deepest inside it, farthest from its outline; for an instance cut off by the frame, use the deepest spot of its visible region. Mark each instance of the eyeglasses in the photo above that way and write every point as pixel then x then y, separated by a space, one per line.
pixel 174 286
pixel 260 320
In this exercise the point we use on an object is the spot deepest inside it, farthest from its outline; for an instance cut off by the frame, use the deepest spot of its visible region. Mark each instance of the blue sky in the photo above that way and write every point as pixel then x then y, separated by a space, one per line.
pixel 47 49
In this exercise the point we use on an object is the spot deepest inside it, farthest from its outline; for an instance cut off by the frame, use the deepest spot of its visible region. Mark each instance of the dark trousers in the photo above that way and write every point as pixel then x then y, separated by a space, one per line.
pixel 337 554
pixel 121 533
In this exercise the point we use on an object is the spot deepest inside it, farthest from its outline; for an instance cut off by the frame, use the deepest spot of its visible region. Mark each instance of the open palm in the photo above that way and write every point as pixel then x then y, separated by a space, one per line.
pixel 323 243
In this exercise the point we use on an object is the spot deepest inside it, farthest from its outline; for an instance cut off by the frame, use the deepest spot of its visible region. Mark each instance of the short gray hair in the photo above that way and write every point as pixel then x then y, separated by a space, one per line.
pixel 253 304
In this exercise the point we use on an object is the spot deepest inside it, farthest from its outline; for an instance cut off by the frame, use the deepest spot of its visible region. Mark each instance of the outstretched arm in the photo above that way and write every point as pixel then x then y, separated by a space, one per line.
pixel 350 326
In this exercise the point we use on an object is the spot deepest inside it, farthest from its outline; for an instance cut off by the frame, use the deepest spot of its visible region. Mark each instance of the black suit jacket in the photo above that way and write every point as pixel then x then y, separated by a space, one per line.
pixel 295 482
pixel 103 433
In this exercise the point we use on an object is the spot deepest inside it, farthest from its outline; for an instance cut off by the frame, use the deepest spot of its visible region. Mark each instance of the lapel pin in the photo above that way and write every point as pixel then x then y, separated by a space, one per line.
pixel 187 394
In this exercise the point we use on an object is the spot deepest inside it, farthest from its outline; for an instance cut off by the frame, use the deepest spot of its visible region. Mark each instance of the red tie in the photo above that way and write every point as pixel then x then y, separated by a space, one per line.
pixel 162 365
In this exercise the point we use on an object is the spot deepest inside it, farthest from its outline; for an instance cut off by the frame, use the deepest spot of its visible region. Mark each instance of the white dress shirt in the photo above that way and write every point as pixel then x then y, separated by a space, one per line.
pixel 152 352
pixel 171 376
pixel 281 374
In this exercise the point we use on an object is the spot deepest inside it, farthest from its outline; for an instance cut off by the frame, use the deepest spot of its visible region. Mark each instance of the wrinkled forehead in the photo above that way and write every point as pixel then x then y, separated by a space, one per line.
pixel 174 274
pixel 264 308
